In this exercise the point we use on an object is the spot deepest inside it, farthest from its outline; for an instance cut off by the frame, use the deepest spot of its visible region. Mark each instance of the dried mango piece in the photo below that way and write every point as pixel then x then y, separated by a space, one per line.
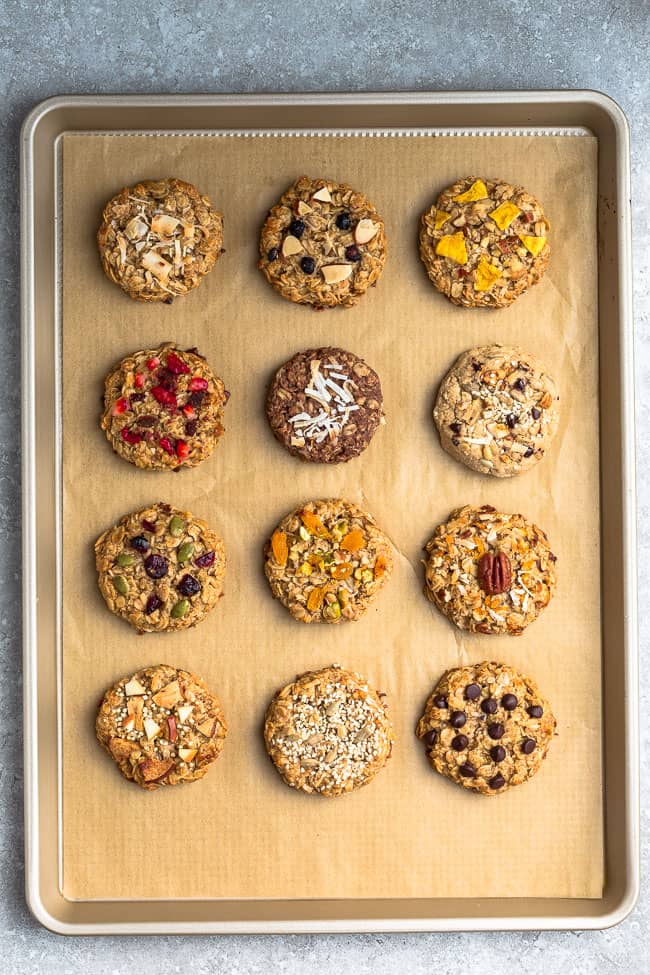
pixel 280 547
pixel 453 247
pixel 381 565
pixel 532 244
pixel 353 541
pixel 477 191
pixel 343 570
pixel 313 523
pixel 315 598
pixel 486 275
pixel 441 218
pixel 504 214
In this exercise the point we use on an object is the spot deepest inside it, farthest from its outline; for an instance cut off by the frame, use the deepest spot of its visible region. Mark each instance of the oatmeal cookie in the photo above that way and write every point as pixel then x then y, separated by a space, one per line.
pixel 160 568
pixel 326 562
pixel 324 405
pixel 328 732
pixel 159 238
pixel 489 572
pixel 484 242
pixel 486 727
pixel 323 244
pixel 497 410
pixel 161 726
pixel 163 408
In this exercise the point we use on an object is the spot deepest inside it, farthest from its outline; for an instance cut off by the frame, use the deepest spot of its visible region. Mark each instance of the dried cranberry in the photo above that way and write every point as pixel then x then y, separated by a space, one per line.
pixel 167 445
pixel 164 396
pixel 148 526
pixel 176 364
pixel 120 406
pixel 139 543
pixel 153 603
pixel 189 586
pixel 197 382
pixel 153 363
pixel 130 436
pixel 139 380
pixel 204 561
pixel 197 398
pixel 190 428
pixel 156 566
pixel 353 253
pixel 189 411
pixel 455 427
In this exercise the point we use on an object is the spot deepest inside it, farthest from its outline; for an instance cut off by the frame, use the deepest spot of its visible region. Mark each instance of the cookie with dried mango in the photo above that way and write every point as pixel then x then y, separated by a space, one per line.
pixel 327 561
pixel 484 242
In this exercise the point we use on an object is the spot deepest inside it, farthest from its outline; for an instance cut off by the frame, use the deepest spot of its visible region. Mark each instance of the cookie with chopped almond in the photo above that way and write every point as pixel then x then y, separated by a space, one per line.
pixel 497 410
pixel 484 242
pixel 489 572
pixel 323 244
pixel 324 405
pixel 163 408
pixel 161 726
pixel 160 568
pixel 327 561
pixel 328 732
pixel 159 238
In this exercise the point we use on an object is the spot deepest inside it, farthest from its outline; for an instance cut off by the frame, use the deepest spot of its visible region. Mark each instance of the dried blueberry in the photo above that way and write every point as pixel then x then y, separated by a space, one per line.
pixel 308 265
pixel 156 566
pixel 189 586
pixel 204 561
pixel 297 228
pixel 273 254
pixel 197 398
pixel 153 603
pixel 529 452
pixel 139 543
pixel 535 413
pixel 343 221
pixel 353 253
pixel 519 384
pixel 190 428
pixel 455 427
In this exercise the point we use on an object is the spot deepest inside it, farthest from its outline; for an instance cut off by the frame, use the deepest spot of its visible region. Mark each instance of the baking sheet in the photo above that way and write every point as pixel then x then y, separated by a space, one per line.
pixel 241 832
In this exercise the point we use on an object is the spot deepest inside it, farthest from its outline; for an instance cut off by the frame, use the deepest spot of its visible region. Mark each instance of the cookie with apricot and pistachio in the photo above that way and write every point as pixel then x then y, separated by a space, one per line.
pixel 163 408
pixel 489 572
pixel 160 568
pixel 486 727
pixel 327 561
pixel 484 242
pixel 159 238
pixel 161 726
pixel 323 244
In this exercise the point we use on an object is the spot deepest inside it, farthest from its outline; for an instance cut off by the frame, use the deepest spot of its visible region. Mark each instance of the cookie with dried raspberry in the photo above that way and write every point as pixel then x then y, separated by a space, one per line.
pixel 159 238
pixel 489 572
pixel 327 561
pixel 160 568
pixel 163 408
pixel 161 726
pixel 484 242
pixel 486 727
pixel 323 244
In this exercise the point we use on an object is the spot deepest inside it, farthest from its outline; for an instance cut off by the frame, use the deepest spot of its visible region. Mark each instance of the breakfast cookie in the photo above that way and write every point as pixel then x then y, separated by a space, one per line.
pixel 323 244
pixel 161 726
pixel 486 727
pixel 497 410
pixel 328 732
pixel 489 572
pixel 326 562
pixel 324 405
pixel 484 242
pixel 159 238
pixel 160 568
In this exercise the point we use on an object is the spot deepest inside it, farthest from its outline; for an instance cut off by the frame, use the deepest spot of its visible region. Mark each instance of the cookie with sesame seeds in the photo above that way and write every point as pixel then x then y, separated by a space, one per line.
pixel 497 410
pixel 161 726
pixel 323 244
pixel 486 727
pixel 489 572
pixel 324 405
pixel 328 732
pixel 484 242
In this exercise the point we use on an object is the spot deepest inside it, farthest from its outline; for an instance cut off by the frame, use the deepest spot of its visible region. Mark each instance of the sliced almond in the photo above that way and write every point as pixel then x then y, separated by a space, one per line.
pixel 184 712
pixel 168 696
pixel 134 687
pixel 134 707
pixel 136 228
pixel 159 267
pixel 365 230
pixel 303 208
pixel 291 245
pixel 151 729
pixel 322 195
pixel 187 754
pixel 208 727
pixel 336 272
pixel 164 225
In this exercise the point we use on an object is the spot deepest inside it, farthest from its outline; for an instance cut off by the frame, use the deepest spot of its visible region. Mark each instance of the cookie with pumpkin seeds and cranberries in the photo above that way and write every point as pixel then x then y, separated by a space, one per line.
pixel 160 568
pixel 163 408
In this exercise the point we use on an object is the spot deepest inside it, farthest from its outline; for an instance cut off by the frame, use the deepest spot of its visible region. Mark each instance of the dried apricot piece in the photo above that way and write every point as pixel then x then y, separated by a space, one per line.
pixel 342 571
pixel 353 541
pixel 313 523
pixel 280 547
pixel 381 565
pixel 315 598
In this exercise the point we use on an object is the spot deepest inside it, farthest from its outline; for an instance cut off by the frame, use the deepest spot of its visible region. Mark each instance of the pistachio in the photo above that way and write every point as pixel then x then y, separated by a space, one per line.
pixel 125 559
pixel 367 576
pixel 304 534
pixel 121 585
pixel 185 551
pixel 332 611
pixel 180 609
pixel 176 526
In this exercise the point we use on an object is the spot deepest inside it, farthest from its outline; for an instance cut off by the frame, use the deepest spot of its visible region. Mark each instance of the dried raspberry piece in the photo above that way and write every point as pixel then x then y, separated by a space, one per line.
pixel 139 380
pixel 197 398
pixel 164 396
pixel 176 365
pixel 182 450
pixel 153 363
pixel 120 406
pixel 189 411
pixel 197 383
pixel 167 445
pixel 190 428
pixel 130 436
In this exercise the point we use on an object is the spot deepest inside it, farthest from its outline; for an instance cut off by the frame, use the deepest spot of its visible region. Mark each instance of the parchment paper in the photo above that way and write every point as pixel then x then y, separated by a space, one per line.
pixel 241 832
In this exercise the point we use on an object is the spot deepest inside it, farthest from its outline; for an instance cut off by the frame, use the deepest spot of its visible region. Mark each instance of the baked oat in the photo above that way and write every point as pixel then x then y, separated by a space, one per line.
pixel 327 561
pixel 323 244
pixel 489 572
pixel 160 568
pixel 486 727
pixel 328 732
pixel 484 242
pixel 159 238
pixel 497 410
pixel 161 726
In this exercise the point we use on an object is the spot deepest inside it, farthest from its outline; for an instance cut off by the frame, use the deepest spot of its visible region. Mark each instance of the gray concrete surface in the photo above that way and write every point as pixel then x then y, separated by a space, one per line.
pixel 49 48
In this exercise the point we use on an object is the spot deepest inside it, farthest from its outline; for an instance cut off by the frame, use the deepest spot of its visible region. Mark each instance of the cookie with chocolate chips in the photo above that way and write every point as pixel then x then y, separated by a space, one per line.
pixel 324 405
pixel 323 244
pixel 486 727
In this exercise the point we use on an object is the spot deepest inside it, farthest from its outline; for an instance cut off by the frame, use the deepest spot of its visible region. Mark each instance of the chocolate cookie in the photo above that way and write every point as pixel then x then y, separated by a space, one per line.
pixel 161 726
pixel 484 242
pixel 324 405
pixel 163 408
pixel 328 732
pixel 489 572
pixel 323 244
pixel 486 727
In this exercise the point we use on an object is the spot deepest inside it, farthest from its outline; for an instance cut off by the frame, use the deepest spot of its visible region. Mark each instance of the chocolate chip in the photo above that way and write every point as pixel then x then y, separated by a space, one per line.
pixel 297 228
pixel 509 702
pixel 467 771
pixel 308 265
pixel 497 781
pixel 528 746
pixel 497 753
pixel 529 452
pixel 489 705
pixel 343 221
pixel 455 427
pixel 460 743
pixel 472 692
pixel 273 254
pixel 139 543
pixel 535 413
pixel 519 384
pixel 476 366
pixel 430 738
pixel 440 701
pixel 496 730
pixel 511 420
pixel 457 719
pixel 535 711
pixel 156 566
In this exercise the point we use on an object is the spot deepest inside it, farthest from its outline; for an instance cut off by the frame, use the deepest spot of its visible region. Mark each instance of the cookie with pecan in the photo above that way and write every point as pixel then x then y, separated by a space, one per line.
pixel 160 568
pixel 497 410
pixel 161 726
pixel 328 732
pixel 486 727
pixel 327 561
pixel 159 238
pixel 484 242
pixel 489 572
pixel 323 244
pixel 163 408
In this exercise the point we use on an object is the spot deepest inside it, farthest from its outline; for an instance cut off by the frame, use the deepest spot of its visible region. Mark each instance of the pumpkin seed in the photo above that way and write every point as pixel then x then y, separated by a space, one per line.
pixel 185 551
pixel 121 585
pixel 180 609
pixel 176 526
pixel 125 559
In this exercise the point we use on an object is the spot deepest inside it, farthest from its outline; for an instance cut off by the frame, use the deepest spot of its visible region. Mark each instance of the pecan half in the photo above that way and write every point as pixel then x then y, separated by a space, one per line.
pixel 494 573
